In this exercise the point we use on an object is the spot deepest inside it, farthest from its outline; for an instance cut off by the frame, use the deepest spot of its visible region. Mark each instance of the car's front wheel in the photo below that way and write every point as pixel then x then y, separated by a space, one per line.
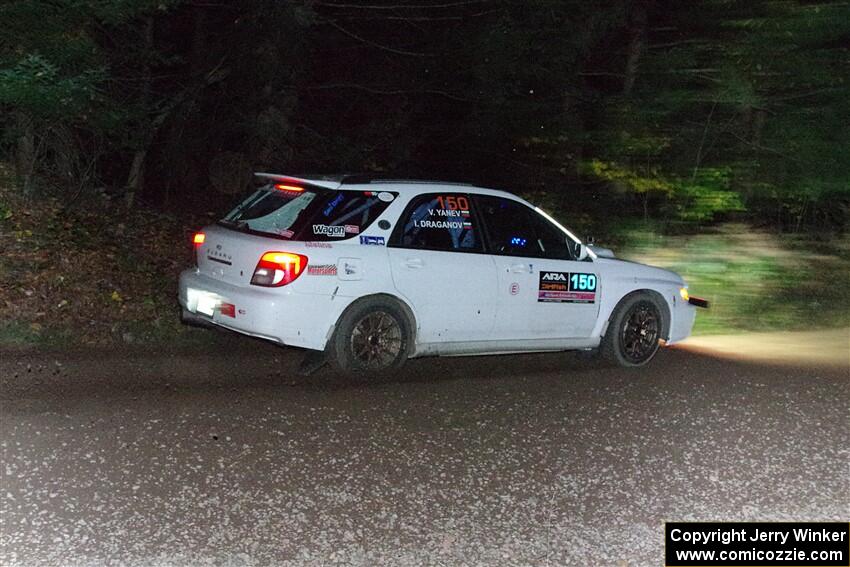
pixel 634 331
pixel 371 336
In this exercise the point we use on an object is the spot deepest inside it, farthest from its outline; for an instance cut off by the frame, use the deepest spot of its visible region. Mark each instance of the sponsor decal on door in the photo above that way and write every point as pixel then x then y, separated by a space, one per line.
pixel 567 287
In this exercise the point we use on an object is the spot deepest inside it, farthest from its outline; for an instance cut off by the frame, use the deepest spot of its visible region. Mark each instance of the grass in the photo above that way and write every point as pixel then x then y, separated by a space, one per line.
pixel 755 280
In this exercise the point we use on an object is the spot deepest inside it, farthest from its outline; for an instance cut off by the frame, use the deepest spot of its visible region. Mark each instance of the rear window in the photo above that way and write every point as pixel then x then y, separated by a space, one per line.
pixel 307 213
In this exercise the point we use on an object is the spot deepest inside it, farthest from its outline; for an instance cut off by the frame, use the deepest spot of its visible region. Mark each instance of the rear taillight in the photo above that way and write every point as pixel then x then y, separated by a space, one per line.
pixel 278 268
pixel 197 239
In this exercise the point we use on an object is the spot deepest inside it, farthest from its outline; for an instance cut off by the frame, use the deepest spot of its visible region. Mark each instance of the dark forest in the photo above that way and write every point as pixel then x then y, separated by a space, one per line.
pixel 694 110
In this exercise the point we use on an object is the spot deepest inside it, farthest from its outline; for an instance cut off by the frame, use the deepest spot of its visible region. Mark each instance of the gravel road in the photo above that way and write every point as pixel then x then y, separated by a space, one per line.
pixel 227 457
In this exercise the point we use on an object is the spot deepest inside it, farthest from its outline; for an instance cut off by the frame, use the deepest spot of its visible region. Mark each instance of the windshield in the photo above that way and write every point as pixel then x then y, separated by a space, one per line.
pixel 307 213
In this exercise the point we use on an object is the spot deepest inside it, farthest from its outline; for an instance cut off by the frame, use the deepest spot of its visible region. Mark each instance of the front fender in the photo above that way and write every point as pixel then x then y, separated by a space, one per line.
pixel 622 278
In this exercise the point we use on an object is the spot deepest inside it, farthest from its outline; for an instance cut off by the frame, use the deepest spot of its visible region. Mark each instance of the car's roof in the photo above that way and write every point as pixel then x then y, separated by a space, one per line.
pixel 407 187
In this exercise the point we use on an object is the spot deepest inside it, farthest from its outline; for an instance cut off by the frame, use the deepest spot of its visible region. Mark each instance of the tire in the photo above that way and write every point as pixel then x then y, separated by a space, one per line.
pixel 372 336
pixel 634 331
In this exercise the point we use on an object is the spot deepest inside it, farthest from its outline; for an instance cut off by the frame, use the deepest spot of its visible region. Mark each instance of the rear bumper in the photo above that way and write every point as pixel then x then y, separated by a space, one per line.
pixel 276 315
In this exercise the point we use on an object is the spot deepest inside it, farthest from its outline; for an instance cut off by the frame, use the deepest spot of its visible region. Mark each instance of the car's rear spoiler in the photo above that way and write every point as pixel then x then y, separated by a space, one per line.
pixel 330 183
pixel 698 302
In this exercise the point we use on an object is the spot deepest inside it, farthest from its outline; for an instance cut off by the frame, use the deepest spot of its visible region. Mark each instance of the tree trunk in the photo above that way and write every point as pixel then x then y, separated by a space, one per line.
pixel 135 179
pixel 759 117
pixel 25 154
pixel 637 40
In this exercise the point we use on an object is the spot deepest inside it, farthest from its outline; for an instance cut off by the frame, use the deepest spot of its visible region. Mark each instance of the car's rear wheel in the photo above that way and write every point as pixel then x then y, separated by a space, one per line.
pixel 372 336
pixel 634 331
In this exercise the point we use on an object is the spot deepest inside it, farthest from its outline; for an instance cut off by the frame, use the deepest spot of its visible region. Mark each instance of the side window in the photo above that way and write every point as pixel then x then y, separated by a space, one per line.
pixel 517 230
pixel 439 221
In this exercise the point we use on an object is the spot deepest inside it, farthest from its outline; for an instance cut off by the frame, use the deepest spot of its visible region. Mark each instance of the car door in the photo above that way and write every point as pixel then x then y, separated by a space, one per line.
pixel 438 265
pixel 543 293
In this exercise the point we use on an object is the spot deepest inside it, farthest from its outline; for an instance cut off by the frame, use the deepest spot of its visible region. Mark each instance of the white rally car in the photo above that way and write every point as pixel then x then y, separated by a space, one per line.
pixel 374 272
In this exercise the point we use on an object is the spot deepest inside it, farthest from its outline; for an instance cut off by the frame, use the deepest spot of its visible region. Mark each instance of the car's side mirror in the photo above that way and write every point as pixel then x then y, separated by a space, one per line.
pixel 581 252
pixel 578 250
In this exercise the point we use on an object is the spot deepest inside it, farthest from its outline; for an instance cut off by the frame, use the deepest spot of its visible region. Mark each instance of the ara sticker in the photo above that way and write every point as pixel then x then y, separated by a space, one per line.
pixel 322 270
pixel 566 287
pixel 335 231
pixel 372 240
pixel 286 233
pixel 352 229
pixel 386 197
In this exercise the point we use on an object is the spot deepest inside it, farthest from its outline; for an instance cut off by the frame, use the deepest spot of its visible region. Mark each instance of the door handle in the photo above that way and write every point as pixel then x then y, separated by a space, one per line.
pixel 414 263
pixel 520 269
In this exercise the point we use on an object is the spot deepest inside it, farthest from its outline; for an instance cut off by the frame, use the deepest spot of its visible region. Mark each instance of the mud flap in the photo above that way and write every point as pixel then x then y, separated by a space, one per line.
pixel 312 362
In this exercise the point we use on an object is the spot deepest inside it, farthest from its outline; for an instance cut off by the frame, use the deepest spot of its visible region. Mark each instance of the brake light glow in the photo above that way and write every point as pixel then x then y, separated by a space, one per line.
pixel 277 269
pixel 199 238
pixel 293 188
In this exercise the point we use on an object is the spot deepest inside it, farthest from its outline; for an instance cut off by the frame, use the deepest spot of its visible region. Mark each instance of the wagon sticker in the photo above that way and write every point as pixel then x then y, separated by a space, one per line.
pixel 332 231
pixel 567 287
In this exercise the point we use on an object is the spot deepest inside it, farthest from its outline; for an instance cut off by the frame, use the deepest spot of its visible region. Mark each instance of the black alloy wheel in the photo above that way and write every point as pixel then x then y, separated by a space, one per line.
pixel 376 341
pixel 640 332
pixel 634 330
pixel 372 336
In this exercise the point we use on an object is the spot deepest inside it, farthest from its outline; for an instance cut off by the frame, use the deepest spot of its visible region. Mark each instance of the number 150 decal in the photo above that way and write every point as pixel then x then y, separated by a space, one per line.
pixel 567 287
pixel 582 282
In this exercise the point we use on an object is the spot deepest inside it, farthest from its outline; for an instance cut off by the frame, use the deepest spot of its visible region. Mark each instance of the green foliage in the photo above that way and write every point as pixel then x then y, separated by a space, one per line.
pixel 36 86
pixel 640 181
pixel 755 281
pixel 699 199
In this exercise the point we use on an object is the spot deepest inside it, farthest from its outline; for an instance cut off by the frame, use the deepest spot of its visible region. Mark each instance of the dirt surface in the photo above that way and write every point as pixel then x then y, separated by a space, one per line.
pixel 228 457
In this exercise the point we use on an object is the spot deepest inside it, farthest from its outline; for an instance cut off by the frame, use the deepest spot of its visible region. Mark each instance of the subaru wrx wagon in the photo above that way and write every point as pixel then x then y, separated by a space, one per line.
pixel 373 272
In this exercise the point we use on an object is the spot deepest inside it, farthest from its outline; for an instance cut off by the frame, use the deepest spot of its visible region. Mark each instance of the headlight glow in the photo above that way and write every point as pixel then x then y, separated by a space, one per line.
pixel 683 291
